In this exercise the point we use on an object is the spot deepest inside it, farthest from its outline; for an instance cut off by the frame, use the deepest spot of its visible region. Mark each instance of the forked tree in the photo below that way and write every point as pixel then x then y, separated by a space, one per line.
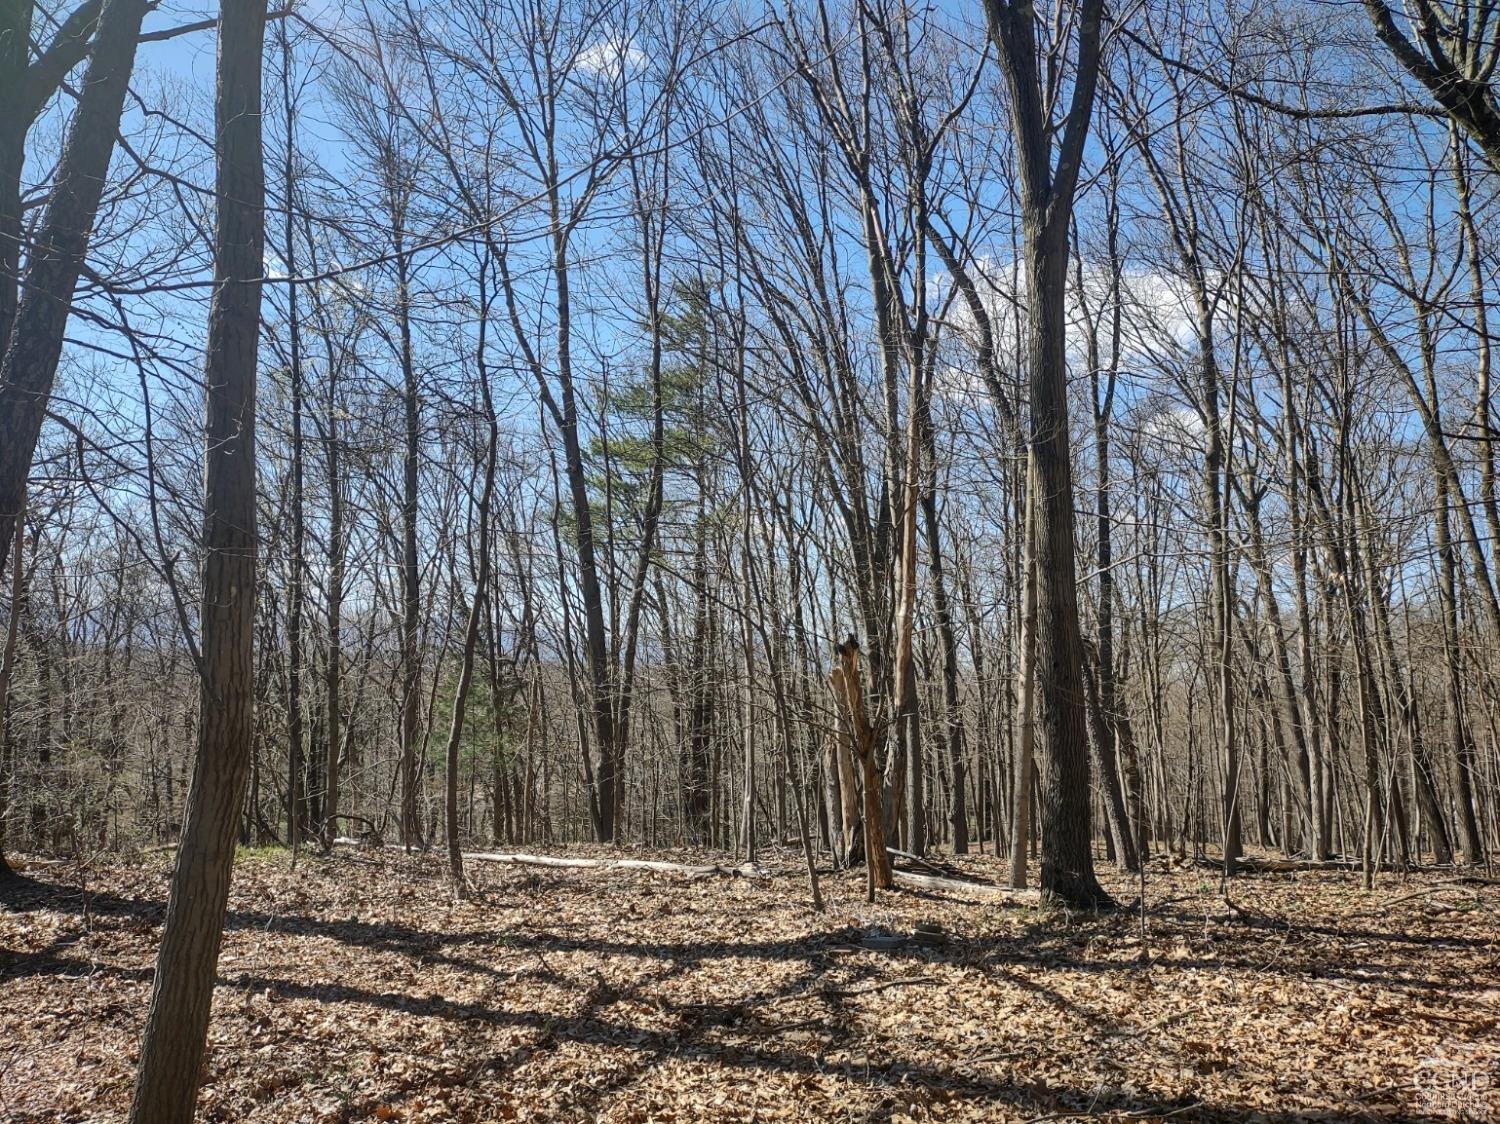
pixel 1049 135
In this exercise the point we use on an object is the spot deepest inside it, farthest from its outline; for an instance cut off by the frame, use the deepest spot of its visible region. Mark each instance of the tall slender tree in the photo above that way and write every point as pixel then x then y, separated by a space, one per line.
pixel 1049 155
pixel 181 994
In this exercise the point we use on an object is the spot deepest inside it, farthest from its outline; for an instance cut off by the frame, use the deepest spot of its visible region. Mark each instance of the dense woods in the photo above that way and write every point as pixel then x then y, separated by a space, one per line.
pixel 868 430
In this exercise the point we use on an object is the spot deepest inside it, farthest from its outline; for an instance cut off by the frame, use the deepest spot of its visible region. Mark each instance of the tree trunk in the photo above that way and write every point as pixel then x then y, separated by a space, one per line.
pixel 1049 155
pixel 177 1020
pixel 908 755
pixel 848 693
pixel 34 346
pixel 411 577
pixel 333 666
pixel 7 674
pixel 1459 738
pixel 1067 868
pixel 958 809
pixel 299 798
pixel 1109 776
pixel 481 592
pixel 1025 758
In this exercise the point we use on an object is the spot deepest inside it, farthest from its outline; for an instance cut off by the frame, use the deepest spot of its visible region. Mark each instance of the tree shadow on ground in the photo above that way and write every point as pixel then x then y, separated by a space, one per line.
pixel 732 1032
pixel 1047 944
pixel 907 1082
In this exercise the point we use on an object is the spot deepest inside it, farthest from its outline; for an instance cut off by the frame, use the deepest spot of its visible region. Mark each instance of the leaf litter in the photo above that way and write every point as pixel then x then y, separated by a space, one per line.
pixel 360 989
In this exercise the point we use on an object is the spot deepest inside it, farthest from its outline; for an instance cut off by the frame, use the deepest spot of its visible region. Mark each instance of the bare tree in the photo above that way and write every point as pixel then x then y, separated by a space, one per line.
pixel 181 994
pixel 34 341
pixel 1049 157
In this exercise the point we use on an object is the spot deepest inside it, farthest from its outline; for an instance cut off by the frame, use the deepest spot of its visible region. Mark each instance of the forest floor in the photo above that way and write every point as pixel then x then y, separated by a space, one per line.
pixel 356 988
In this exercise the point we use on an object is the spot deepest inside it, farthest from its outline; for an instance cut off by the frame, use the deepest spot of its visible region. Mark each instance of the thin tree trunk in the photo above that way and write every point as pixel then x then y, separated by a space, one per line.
pixel 411 577
pixel 1459 738
pixel 177 1019
pixel 299 799
pixel 1025 759
pixel 7 674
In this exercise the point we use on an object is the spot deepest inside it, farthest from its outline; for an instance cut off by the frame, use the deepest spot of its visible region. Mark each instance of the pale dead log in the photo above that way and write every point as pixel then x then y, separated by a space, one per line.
pixel 983 891
pixel 744 870
pixel 936 867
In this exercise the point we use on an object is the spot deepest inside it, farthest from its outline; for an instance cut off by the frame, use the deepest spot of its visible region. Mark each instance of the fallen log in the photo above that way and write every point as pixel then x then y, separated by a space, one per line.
pixel 979 891
pixel 920 865
pixel 744 870
pixel 365 844
pixel 1288 866
pixel 1251 865
pixel 370 836
pixel 982 891
pixel 1427 891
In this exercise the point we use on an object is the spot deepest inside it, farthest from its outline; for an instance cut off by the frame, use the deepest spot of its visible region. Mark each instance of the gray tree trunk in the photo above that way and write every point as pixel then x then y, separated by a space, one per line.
pixel 177 1020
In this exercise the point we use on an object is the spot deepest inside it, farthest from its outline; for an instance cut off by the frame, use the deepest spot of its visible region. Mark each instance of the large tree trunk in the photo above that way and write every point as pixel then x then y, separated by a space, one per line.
pixel 15 51
pixel 300 797
pixel 1067 861
pixel 27 84
pixel 844 822
pixel 1049 155
pixel 177 1020
pixel 35 343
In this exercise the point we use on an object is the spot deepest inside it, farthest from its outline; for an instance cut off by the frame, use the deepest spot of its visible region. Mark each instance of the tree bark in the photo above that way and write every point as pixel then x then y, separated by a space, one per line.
pixel 848 693
pixel 177 1020
pixel 1025 755
pixel 299 798
pixel 34 346
pixel 1047 192
pixel 1461 742
pixel 411 576
pixel 7 674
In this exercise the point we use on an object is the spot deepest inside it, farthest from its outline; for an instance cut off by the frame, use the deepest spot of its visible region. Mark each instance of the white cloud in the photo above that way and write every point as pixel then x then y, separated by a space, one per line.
pixel 1157 319
pixel 1176 425
pixel 610 57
